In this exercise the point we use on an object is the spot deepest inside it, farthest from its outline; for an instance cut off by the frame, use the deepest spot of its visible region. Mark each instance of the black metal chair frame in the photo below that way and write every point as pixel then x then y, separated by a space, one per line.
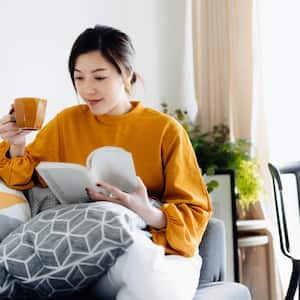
pixel 292 168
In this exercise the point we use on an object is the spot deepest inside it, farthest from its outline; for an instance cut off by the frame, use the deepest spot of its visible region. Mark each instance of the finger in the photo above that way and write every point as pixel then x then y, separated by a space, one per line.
pixel 10 127
pixel 6 119
pixel 11 135
pixel 117 193
pixel 6 126
pixel 96 196
pixel 141 188
pixel 26 131
pixel 23 133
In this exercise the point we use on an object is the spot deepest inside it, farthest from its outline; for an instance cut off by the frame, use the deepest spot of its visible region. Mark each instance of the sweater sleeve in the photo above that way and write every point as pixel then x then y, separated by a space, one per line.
pixel 187 206
pixel 17 172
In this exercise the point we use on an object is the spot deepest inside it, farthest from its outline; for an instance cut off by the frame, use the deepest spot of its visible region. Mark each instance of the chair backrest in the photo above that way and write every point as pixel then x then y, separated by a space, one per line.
pixel 280 211
pixel 293 168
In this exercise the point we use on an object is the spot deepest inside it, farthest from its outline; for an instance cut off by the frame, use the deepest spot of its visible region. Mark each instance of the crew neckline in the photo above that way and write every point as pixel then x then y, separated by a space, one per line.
pixel 135 109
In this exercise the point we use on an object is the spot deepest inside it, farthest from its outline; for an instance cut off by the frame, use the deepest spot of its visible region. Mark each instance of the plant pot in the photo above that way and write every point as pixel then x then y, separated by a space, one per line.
pixel 253 212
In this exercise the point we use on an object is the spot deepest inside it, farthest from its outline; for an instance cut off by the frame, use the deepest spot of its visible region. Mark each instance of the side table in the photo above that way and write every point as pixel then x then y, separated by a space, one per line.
pixel 256 260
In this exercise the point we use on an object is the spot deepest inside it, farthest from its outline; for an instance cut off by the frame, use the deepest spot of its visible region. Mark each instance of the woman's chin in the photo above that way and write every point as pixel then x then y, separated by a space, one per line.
pixel 96 112
pixel 95 109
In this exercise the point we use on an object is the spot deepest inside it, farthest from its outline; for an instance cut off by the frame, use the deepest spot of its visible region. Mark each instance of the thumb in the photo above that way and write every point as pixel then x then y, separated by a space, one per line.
pixel 141 188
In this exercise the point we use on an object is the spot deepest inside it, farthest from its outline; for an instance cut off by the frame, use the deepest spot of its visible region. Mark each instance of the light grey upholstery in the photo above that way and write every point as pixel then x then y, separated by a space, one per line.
pixel 222 290
pixel 212 250
pixel 7 225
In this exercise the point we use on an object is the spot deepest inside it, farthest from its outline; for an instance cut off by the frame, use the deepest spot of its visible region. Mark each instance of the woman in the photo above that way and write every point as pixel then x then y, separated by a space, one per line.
pixel 100 66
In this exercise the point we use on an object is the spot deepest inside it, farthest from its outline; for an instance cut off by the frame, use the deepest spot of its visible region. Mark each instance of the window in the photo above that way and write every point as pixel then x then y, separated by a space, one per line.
pixel 280 45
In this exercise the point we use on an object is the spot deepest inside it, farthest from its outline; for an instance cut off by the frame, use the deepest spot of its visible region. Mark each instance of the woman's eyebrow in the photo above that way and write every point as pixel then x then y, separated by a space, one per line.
pixel 99 69
pixel 93 71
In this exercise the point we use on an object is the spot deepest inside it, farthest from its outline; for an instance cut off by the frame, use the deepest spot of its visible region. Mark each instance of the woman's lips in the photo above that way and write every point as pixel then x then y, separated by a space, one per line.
pixel 94 102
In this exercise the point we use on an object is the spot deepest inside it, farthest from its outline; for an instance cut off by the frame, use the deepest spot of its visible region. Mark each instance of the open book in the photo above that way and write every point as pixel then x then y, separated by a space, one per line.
pixel 68 181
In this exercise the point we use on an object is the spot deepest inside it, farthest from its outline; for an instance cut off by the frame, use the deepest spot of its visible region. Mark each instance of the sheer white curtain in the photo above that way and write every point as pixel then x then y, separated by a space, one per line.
pixel 222 43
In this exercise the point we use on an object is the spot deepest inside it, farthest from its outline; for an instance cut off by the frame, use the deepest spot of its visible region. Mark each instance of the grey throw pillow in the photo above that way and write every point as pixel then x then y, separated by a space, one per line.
pixel 62 250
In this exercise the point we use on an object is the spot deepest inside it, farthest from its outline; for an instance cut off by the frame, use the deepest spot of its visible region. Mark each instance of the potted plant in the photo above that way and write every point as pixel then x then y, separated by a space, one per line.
pixel 215 151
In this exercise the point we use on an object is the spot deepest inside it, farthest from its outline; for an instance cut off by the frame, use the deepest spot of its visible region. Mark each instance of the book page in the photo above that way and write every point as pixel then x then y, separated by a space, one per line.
pixel 114 166
pixel 66 180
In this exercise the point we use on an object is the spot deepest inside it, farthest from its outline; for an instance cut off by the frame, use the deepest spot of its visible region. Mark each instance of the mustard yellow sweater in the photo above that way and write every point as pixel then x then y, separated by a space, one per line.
pixel 163 158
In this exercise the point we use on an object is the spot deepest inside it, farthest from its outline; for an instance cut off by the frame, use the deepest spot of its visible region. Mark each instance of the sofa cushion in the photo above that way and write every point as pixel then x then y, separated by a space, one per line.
pixel 212 251
pixel 63 249
pixel 14 209
pixel 222 290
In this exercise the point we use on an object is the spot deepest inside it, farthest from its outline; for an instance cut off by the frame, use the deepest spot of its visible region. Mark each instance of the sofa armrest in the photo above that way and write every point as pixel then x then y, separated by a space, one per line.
pixel 212 251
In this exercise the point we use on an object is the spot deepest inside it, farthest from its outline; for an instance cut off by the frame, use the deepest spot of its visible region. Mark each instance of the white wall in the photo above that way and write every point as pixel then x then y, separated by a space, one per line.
pixel 36 37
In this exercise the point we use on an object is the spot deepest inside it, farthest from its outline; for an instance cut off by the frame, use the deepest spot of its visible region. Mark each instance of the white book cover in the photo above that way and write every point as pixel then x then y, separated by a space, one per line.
pixel 68 181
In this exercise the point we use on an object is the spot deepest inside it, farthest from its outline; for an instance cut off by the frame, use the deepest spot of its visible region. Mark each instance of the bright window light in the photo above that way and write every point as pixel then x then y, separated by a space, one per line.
pixel 280 42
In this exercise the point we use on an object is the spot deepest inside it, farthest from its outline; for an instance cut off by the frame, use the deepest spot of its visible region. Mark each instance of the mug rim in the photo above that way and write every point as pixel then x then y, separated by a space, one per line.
pixel 30 98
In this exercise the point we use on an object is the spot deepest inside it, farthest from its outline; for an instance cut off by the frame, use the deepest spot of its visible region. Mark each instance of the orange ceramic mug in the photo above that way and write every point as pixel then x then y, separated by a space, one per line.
pixel 30 112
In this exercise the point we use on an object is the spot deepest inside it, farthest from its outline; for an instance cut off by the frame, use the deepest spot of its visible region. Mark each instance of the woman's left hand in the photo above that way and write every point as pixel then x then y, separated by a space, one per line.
pixel 133 201
pixel 137 201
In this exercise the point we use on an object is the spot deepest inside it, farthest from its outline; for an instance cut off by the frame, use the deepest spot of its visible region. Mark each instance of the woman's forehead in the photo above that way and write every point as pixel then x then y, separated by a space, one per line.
pixel 92 61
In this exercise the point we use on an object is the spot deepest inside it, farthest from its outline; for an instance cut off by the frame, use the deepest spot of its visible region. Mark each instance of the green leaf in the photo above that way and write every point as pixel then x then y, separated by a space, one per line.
pixel 211 185
pixel 211 170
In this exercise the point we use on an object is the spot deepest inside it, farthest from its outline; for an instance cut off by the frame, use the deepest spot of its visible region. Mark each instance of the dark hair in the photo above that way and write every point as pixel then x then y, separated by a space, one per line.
pixel 114 45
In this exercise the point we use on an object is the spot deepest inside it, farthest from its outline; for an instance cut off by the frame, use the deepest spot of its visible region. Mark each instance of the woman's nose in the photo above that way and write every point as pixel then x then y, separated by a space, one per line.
pixel 89 88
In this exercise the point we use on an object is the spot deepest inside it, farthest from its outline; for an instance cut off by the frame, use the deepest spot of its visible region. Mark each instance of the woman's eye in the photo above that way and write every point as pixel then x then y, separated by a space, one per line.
pixel 100 78
pixel 78 78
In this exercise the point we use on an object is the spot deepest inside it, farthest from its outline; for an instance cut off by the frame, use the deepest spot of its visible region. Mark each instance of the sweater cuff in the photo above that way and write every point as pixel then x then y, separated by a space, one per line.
pixel 167 237
pixel 4 147
pixel 6 171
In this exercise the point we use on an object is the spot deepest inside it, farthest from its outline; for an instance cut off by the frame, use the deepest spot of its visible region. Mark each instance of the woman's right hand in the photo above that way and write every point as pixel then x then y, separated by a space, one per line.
pixel 10 132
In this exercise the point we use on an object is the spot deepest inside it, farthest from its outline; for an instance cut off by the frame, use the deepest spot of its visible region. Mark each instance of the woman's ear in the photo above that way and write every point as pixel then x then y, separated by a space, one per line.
pixel 127 82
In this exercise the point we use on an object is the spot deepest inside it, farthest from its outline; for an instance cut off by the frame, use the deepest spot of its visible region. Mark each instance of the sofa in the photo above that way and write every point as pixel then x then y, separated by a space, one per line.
pixel 211 284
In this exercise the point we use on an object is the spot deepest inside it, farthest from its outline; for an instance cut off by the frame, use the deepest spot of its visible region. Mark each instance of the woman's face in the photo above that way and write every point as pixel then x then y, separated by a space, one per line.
pixel 100 85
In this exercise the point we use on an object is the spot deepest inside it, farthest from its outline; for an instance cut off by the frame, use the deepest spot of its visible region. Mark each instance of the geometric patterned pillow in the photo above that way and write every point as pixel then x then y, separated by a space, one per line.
pixel 14 209
pixel 62 250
